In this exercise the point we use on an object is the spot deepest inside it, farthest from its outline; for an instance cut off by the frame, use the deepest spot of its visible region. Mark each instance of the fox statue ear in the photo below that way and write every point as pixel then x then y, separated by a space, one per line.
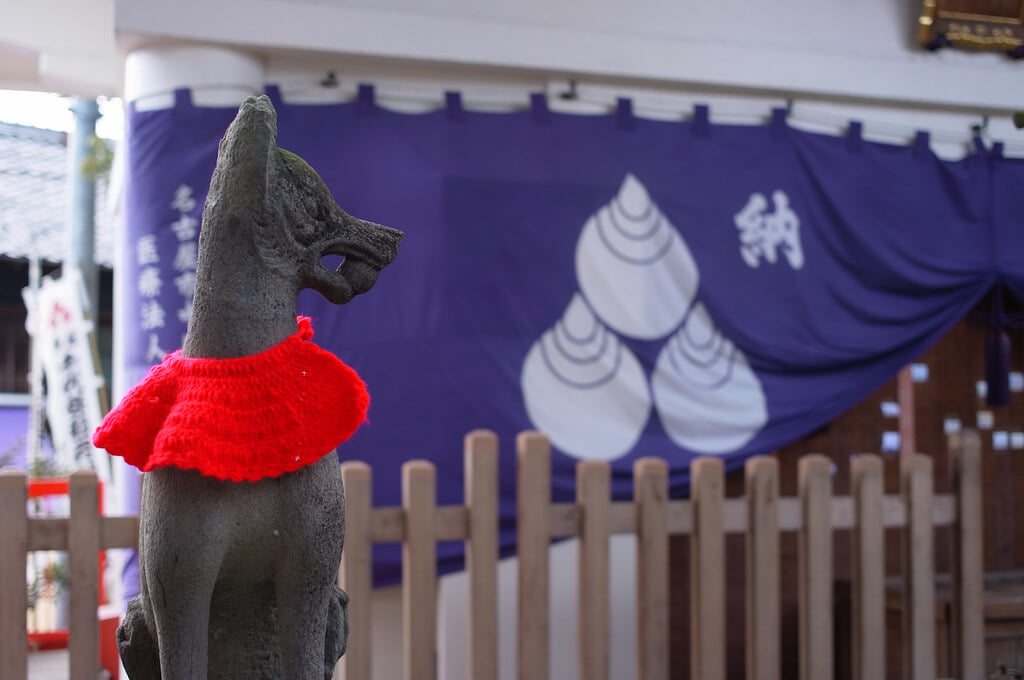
pixel 239 182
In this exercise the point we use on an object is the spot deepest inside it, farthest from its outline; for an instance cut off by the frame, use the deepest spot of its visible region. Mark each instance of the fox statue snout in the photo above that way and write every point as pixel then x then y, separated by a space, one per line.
pixel 367 248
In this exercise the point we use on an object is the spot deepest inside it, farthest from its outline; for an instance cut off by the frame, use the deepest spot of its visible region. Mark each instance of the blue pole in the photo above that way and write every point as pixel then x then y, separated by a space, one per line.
pixel 81 222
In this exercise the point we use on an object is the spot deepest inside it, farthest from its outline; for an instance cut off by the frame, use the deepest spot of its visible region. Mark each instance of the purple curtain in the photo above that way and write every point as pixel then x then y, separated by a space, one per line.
pixel 630 287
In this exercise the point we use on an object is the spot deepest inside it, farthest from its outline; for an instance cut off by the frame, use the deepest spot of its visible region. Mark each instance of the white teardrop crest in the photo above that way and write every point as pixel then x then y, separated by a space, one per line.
pixel 708 398
pixel 633 266
pixel 584 388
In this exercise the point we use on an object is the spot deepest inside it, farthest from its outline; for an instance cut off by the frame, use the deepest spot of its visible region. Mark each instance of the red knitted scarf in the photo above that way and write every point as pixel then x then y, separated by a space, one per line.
pixel 239 419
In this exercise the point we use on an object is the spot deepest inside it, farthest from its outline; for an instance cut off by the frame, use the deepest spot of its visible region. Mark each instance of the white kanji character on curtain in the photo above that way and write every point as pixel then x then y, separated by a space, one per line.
pixel 186 257
pixel 764 234
pixel 782 230
pixel 750 222
pixel 154 352
pixel 183 201
pixel 150 283
pixel 145 250
pixel 186 284
pixel 185 227
pixel 151 315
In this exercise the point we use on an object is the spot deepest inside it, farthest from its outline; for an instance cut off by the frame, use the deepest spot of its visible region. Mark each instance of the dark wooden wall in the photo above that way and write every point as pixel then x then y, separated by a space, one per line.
pixel 956 364
pixel 14 340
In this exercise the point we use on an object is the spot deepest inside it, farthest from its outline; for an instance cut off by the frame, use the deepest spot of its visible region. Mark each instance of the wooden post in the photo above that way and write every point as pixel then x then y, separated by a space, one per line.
pixel 707 570
pixel 481 465
pixel 650 493
pixel 593 494
pixel 533 536
pixel 84 575
pixel 868 569
pixel 906 420
pixel 356 573
pixel 918 569
pixel 762 569
pixel 814 568
pixel 13 552
pixel 419 571
pixel 968 633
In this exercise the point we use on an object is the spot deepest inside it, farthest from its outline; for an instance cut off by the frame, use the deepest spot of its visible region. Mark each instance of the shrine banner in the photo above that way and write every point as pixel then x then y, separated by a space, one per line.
pixel 629 287
pixel 63 335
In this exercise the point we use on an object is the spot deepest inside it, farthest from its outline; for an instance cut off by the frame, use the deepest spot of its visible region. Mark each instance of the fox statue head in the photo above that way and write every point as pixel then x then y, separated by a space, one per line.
pixel 293 219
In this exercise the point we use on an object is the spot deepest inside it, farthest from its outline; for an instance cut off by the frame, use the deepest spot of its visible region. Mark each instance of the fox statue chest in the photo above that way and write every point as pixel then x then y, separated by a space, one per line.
pixel 256 522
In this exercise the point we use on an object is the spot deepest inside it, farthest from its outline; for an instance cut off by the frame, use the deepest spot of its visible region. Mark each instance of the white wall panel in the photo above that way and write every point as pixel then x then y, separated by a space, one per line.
pixel 817 47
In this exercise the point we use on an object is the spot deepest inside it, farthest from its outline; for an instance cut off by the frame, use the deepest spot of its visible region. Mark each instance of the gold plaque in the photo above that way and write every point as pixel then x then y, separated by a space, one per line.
pixel 978 24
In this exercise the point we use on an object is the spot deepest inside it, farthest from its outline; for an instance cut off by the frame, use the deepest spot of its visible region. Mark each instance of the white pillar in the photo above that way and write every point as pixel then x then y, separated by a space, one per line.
pixel 217 76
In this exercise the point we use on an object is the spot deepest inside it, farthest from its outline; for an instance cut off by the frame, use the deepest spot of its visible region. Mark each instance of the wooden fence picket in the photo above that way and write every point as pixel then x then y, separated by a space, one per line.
pixel 764 660
pixel 84 574
pixel 593 494
pixel 13 556
pixel 967 618
pixel 868 569
pixel 707 570
pixel 355 574
pixel 481 465
pixel 814 567
pixel 533 536
pixel 419 571
pixel 918 568
pixel 650 493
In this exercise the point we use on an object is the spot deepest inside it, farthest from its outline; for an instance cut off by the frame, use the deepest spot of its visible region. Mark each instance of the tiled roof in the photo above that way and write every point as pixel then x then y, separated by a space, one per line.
pixel 35 197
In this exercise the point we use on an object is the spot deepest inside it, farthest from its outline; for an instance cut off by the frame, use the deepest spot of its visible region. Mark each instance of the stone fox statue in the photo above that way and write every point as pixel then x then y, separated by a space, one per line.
pixel 242 511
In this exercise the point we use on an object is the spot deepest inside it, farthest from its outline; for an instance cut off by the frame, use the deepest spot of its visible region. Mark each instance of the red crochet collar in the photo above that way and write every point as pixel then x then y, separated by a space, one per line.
pixel 239 419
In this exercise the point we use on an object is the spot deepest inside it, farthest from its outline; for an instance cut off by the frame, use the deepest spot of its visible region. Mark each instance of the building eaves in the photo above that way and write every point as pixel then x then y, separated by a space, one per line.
pixel 34 197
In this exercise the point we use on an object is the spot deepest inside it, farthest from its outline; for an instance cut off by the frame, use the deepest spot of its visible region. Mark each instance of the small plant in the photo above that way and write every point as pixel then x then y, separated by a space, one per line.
pixel 49 581
pixel 46 467
pixel 97 164
pixel 52 577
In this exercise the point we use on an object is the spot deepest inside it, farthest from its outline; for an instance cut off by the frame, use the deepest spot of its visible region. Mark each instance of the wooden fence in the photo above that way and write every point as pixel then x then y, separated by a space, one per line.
pixel 83 534
pixel 706 517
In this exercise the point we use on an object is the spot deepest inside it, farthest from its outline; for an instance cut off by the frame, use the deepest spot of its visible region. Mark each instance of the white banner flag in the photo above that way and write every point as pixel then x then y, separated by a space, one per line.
pixel 64 338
